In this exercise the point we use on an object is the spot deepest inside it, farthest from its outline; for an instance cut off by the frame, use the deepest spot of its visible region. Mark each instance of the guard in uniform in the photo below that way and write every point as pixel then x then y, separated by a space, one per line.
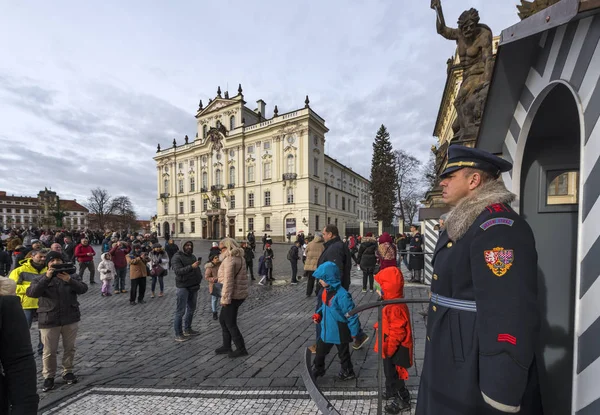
pixel 483 318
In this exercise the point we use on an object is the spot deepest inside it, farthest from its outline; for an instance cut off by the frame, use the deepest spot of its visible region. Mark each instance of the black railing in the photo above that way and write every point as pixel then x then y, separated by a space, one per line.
pixel 289 176
pixel 216 187
pixel 164 195
pixel 203 189
pixel 311 387
pixel 231 185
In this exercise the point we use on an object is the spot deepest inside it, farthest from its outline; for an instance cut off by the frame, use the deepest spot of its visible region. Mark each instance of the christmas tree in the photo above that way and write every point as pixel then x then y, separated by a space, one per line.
pixel 383 177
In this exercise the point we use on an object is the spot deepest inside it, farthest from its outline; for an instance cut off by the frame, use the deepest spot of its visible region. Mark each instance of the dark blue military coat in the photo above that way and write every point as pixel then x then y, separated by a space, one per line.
pixel 490 350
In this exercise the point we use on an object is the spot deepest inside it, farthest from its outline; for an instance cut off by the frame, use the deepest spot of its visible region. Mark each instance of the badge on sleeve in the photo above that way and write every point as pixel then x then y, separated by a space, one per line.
pixel 499 260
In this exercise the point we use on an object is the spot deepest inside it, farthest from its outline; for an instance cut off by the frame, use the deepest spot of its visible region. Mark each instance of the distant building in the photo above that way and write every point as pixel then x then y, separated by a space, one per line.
pixel 244 172
pixel 41 211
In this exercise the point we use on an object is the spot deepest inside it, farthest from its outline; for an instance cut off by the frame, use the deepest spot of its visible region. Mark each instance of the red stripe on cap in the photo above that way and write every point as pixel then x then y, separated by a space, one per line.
pixel 507 338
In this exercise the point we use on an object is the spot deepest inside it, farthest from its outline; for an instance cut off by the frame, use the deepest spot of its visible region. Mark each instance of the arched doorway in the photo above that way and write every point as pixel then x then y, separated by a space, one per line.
pixel 549 196
pixel 166 231
pixel 216 234
pixel 232 228
pixel 204 229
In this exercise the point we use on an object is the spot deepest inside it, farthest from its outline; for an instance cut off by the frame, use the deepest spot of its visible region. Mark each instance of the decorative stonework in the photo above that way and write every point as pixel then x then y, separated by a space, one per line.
pixel 529 8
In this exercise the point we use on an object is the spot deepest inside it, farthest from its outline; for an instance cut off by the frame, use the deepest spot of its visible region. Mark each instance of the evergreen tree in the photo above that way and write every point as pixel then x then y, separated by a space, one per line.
pixel 383 177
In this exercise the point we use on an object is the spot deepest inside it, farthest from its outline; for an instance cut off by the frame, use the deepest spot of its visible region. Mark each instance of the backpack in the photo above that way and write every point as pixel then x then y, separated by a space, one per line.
pixel 290 256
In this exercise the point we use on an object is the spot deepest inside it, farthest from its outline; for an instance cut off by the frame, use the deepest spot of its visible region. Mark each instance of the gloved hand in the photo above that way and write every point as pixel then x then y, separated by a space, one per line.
pixel 316 318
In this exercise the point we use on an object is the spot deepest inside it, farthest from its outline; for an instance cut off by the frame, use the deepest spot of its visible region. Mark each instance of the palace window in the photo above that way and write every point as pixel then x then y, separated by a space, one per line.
pixel 180 207
pixel 218 180
pixel 336 201
pixel 232 175
pixel 192 184
pixel 193 206
pixel 267 171
pixel 231 123
pixel 204 204
pixel 250 224
pixel 166 186
pixel 180 166
pixel 166 208
pixel 354 203
pixel 232 202
pixel 316 195
pixel 291 164
pixel 205 180
pixel 290 195
pixel 267 223
pixel 204 130
pixel 250 173
pixel 191 163
pixel 180 185
pixel 251 200
pixel 317 222
pixel 329 199
pixel 250 149
pixel 181 227
pixel 316 167
pixel 267 198
pixel 193 227
pixel 343 203
pixel 267 145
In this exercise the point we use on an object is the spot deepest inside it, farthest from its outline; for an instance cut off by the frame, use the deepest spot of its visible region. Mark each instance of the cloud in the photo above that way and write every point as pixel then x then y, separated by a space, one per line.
pixel 84 106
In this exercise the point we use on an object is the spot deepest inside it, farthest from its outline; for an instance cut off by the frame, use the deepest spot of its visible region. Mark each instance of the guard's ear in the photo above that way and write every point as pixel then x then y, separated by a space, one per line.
pixel 475 180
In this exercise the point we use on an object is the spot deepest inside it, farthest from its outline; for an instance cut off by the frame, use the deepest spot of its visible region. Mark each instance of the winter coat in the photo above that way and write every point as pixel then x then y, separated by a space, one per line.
pixel 18 385
pixel 232 274
pixel 386 252
pixel 268 258
pixel 416 262
pixel 58 305
pixel 211 274
pixel 119 256
pixel 185 275
pixel 367 258
pixel 161 258
pixel 24 276
pixel 5 263
pixel 106 268
pixel 314 249
pixel 262 269
pixel 294 253
pixel 137 266
pixel 69 251
pixel 395 320
pixel 81 253
pixel 12 243
pixel 171 249
pixel 336 252
pixel 248 254
pixel 336 328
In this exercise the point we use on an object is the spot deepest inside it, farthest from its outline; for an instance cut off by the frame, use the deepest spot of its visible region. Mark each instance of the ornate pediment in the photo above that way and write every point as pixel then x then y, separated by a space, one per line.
pixel 216 105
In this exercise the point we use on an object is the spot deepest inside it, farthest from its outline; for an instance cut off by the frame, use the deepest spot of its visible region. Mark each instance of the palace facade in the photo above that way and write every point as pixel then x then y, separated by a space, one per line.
pixel 244 172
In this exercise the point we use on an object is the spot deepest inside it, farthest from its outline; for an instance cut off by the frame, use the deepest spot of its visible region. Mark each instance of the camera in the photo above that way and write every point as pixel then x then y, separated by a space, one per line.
pixel 67 267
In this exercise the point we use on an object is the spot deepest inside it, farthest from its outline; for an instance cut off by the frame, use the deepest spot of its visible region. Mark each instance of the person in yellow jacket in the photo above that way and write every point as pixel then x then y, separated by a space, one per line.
pixel 29 269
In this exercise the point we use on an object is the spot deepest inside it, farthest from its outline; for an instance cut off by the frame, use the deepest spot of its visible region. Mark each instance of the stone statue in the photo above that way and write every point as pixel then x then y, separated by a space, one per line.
pixel 474 42
pixel 529 8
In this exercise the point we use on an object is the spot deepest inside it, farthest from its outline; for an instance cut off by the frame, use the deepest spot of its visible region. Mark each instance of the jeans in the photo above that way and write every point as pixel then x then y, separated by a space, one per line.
pixel 186 304
pixel 119 284
pixel 229 327
pixel 29 313
pixel 87 265
pixel 214 303
pixel 135 284
pixel 323 350
pixel 294 265
pixel 250 266
pixel 368 275
pixel 161 282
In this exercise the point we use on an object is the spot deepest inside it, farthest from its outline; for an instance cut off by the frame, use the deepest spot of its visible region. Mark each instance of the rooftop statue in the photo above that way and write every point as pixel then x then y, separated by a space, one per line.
pixel 474 42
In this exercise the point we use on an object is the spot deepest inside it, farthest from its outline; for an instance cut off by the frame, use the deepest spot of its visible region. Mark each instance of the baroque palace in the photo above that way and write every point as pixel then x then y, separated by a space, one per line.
pixel 244 172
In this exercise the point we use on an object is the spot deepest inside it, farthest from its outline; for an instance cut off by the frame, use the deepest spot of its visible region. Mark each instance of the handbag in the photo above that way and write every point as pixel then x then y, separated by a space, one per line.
pixel 217 289
pixel 156 270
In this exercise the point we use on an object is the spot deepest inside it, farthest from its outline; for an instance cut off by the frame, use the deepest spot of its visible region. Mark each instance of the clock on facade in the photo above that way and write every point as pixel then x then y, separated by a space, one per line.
pixel 291 139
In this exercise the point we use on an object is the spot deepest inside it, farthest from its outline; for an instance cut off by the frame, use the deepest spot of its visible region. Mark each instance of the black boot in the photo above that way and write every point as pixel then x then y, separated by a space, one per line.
pixel 397 405
pixel 238 353
pixel 223 350
pixel 215 316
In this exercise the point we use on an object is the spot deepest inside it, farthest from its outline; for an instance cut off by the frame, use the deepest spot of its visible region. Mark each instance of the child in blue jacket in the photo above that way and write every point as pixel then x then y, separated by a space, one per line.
pixel 335 327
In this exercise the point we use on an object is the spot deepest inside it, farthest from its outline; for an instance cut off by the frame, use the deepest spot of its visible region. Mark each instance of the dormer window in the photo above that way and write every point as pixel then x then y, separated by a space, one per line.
pixel 232 123
pixel 204 130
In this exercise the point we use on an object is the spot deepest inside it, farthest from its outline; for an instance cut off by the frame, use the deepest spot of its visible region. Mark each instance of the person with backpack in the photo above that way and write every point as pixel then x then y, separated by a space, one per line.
pixel 293 257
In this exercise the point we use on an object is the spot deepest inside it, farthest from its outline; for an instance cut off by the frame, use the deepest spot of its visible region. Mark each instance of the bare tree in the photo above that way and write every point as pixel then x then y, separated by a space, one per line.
pixel 409 185
pixel 123 212
pixel 100 205
pixel 430 172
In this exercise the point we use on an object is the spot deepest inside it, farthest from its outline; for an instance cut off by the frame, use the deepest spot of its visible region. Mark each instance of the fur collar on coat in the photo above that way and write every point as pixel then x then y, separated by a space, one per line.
pixel 468 209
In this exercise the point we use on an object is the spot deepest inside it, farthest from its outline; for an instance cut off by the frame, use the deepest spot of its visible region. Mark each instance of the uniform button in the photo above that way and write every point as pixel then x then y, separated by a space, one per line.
pixel 449 245
pixel 434 308
pixel 428 339
pixel 435 277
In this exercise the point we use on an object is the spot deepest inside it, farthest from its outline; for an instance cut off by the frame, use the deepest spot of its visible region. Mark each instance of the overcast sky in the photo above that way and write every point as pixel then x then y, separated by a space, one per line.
pixel 88 89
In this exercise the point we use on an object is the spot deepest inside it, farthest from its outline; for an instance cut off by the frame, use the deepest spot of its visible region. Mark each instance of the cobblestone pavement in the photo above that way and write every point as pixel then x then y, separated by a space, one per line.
pixel 123 346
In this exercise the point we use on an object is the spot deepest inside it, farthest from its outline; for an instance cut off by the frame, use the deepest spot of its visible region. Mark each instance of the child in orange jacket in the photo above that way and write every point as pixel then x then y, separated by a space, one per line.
pixel 397 340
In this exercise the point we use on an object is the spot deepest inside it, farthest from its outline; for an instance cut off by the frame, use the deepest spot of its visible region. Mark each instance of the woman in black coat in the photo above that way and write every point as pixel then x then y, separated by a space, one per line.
pixel 16 358
pixel 367 260
pixel 417 259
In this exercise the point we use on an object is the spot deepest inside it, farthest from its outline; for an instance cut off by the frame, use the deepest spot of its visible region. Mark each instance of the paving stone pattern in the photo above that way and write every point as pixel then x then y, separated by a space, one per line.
pixel 126 346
